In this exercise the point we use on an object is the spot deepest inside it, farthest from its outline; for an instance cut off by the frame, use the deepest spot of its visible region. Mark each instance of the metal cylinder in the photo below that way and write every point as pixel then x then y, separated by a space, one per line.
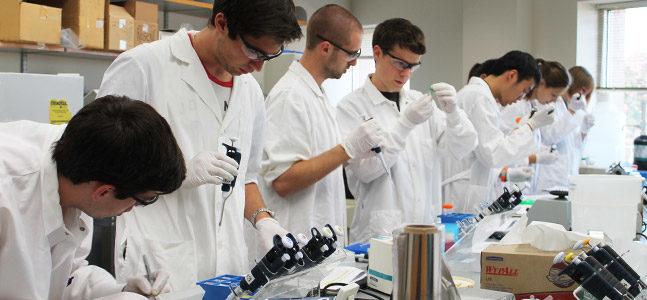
pixel 417 262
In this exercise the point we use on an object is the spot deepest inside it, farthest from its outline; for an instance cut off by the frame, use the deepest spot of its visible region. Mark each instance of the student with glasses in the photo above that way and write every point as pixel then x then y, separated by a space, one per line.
pixel 56 178
pixel 420 134
pixel 304 151
pixel 200 82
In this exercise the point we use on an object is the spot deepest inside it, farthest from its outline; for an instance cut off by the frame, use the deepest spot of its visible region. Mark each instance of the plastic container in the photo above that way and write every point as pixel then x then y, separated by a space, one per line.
pixel 640 152
pixel 606 203
pixel 218 287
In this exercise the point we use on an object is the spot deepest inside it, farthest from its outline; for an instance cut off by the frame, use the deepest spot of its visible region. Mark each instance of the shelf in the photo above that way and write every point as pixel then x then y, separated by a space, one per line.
pixel 25 47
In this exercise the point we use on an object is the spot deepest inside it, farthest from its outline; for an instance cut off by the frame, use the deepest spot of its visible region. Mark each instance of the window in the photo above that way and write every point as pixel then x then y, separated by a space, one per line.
pixel 622 95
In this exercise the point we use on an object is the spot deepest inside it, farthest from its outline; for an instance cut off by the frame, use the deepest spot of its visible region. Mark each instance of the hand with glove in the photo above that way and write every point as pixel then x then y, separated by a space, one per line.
pixel 520 174
pixel 542 117
pixel 209 167
pixel 546 158
pixel 446 94
pixel 578 102
pixel 142 286
pixel 587 123
pixel 364 137
pixel 267 228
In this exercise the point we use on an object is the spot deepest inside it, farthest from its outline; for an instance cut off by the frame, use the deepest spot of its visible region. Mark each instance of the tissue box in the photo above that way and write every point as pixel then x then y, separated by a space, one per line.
pixel 524 271
pixel 380 264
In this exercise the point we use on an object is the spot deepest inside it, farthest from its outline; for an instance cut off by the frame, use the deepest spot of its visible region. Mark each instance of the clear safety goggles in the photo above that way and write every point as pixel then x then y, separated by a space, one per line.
pixel 402 64
pixel 352 55
pixel 254 53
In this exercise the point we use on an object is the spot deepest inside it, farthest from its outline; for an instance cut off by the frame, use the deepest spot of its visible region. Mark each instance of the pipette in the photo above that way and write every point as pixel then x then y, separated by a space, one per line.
pixel 378 151
pixel 228 187
pixel 147 267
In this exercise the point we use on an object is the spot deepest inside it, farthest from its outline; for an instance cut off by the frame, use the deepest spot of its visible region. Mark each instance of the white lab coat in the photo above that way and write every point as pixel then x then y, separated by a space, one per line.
pixel 510 114
pixel 42 254
pixel 494 151
pixel 301 125
pixel 413 192
pixel 180 232
pixel 566 134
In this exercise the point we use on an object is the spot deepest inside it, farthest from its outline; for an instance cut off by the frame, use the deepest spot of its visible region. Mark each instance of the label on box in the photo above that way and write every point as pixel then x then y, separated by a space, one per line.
pixel 59 112
pixel 145 28
pixel 122 23
pixel 99 24
pixel 123 45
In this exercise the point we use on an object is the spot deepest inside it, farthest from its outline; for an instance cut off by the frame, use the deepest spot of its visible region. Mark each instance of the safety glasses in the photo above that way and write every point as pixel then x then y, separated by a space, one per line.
pixel 402 64
pixel 352 55
pixel 254 53
pixel 148 201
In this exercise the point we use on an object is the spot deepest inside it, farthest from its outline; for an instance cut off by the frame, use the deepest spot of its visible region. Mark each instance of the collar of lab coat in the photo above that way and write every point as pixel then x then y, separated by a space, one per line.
pixel 375 95
pixel 52 211
pixel 195 75
pixel 304 75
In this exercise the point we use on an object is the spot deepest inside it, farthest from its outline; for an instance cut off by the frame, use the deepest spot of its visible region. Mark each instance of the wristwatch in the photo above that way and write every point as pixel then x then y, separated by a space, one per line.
pixel 262 209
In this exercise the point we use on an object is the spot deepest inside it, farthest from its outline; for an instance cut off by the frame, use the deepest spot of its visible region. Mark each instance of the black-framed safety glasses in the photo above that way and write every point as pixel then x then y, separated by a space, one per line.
pixel 352 55
pixel 254 53
pixel 402 64
pixel 148 201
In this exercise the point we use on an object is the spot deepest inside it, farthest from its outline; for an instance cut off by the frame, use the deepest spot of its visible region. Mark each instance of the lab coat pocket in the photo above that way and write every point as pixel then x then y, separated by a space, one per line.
pixel 383 222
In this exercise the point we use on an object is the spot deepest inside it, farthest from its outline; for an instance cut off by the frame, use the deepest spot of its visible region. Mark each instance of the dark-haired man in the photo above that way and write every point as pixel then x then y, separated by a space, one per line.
pixel 199 82
pixel 304 150
pixel 420 135
pixel 56 178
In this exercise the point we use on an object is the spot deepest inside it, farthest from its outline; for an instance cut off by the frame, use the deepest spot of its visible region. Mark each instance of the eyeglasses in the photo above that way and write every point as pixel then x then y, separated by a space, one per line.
pixel 402 64
pixel 254 53
pixel 352 55
pixel 148 201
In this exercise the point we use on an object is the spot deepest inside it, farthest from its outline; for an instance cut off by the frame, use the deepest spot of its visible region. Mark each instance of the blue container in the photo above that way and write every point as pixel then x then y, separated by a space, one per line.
pixel 218 288
pixel 359 248
pixel 454 217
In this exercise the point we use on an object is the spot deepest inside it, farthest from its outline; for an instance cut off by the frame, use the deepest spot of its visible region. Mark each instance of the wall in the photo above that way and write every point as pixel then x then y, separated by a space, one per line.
pixel 442 24
pixel 555 30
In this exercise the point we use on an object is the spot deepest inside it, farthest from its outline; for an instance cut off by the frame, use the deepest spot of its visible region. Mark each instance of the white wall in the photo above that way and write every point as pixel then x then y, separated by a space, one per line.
pixel 555 30
pixel 588 43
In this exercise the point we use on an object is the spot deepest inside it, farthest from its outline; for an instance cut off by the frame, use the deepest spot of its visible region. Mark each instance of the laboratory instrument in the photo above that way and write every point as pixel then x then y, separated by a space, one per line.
pixel 149 274
pixel 228 187
pixel 378 151
pixel 507 201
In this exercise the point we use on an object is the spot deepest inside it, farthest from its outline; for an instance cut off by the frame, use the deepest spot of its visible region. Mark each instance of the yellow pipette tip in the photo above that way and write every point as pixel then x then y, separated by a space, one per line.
pixel 569 258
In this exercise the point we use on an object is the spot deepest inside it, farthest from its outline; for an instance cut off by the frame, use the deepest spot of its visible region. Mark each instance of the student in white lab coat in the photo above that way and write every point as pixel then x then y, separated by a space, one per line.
pixel 420 134
pixel 506 81
pixel 304 150
pixel 56 178
pixel 568 133
pixel 555 79
pixel 200 82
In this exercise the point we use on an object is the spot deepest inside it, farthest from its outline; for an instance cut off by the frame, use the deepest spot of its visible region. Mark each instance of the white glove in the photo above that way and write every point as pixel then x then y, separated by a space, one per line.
pixel 209 167
pixel 577 102
pixel 588 122
pixel 418 111
pixel 446 94
pixel 542 117
pixel 267 228
pixel 364 137
pixel 140 285
pixel 520 174
pixel 546 158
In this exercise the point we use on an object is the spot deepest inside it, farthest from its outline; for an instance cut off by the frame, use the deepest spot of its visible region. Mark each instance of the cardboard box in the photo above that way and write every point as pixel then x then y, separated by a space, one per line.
pixel 120 28
pixel 145 32
pixel 524 271
pixel 142 11
pixel 29 22
pixel 380 264
pixel 145 15
pixel 86 18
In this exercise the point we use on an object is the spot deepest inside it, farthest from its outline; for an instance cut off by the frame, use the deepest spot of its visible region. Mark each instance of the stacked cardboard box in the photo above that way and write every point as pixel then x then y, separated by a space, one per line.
pixel 30 22
pixel 86 18
pixel 145 15
pixel 120 28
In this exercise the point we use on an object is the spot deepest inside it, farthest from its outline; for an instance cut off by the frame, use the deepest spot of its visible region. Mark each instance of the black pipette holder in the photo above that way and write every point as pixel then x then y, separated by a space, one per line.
pixel 505 202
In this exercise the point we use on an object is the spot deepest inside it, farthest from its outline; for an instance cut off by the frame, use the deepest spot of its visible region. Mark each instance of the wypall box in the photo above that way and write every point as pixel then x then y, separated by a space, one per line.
pixel 524 271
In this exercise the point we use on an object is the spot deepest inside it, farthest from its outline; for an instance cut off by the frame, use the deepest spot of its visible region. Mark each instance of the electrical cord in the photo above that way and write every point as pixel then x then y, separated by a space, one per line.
pixel 376 296
pixel 325 291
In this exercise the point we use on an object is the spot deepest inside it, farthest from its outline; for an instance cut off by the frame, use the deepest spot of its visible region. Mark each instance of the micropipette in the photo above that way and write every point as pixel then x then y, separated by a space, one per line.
pixel 228 187
pixel 149 275
pixel 378 151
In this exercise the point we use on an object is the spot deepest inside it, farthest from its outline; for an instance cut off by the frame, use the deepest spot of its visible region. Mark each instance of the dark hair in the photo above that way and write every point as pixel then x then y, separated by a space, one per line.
pixel 257 18
pixel 581 79
pixel 399 32
pixel 331 22
pixel 119 141
pixel 479 69
pixel 554 74
pixel 523 62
